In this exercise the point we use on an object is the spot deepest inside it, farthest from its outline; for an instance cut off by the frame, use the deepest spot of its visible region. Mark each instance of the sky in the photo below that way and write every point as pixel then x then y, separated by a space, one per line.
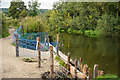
pixel 45 4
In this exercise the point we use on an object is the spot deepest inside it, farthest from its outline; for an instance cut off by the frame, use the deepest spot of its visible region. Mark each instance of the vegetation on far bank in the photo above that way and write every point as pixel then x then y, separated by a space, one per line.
pixel 89 19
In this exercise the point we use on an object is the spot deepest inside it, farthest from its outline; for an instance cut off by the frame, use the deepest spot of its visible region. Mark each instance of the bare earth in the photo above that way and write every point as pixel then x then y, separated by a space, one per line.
pixel 14 67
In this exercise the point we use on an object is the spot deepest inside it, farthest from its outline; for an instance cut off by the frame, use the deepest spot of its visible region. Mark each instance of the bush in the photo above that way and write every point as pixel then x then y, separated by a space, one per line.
pixel 80 32
pixel 33 24
pixel 69 30
pixel 5 31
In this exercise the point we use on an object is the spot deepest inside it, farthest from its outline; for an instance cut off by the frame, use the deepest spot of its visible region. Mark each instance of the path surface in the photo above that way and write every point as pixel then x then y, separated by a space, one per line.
pixel 14 67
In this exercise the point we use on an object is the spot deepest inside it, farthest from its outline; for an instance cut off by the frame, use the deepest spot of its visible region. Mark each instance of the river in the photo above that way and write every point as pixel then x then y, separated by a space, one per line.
pixel 102 51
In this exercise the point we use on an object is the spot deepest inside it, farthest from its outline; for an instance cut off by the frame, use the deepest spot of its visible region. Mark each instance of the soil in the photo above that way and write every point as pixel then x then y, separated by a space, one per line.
pixel 15 67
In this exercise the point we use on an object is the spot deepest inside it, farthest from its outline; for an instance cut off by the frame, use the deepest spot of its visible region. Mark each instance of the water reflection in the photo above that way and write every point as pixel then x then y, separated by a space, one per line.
pixel 102 51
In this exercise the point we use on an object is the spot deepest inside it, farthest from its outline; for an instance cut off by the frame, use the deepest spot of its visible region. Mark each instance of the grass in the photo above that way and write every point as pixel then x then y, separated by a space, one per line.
pixel 107 77
pixel 28 60
pixel 61 62
pixel 13 44
pixel 0 36
pixel 89 33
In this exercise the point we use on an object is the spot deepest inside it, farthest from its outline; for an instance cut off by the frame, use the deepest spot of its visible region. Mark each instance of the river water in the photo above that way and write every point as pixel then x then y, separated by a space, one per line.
pixel 102 51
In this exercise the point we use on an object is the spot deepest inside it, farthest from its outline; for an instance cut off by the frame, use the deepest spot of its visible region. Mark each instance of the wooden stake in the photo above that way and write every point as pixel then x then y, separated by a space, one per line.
pixel 26 28
pixel 48 42
pixel 76 61
pixel 85 68
pixel 39 53
pixel 45 41
pixel 68 64
pixel 51 62
pixel 81 64
pixel 98 74
pixel 57 44
pixel 17 45
pixel 101 73
pixel 90 73
pixel 95 71
pixel 22 30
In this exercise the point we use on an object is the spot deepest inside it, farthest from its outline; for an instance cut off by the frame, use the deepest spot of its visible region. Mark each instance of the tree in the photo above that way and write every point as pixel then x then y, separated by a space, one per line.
pixel 23 13
pixel 33 8
pixel 16 8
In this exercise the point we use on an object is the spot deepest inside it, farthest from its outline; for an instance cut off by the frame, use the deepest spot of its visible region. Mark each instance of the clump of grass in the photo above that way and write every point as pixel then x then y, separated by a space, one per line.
pixel 57 58
pixel 13 44
pixel 28 60
pixel 61 62
pixel 107 77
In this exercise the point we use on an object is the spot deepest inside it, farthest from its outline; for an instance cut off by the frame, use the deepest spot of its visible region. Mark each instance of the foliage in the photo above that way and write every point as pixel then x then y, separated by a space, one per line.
pixel 5 31
pixel 91 19
pixel 33 7
pixel 33 24
pixel 13 22
pixel 17 9
pixel 23 13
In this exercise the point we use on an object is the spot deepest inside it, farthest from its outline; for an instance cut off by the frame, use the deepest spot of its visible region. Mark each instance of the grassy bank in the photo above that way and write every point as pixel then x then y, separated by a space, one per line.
pixel 89 33
pixel 107 77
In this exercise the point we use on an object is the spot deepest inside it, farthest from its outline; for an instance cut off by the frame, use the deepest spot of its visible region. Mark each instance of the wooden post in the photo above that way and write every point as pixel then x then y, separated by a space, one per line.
pixel 98 74
pixel 22 30
pixel 39 53
pixel 26 28
pixel 76 61
pixel 90 73
pixel 95 71
pixel 68 64
pixel 51 62
pixel 57 44
pixel 81 64
pixel 17 45
pixel 48 42
pixel 45 41
pixel 101 73
pixel 85 68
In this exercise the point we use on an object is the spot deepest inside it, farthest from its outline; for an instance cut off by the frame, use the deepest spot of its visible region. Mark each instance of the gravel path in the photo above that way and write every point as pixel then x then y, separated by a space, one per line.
pixel 14 67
